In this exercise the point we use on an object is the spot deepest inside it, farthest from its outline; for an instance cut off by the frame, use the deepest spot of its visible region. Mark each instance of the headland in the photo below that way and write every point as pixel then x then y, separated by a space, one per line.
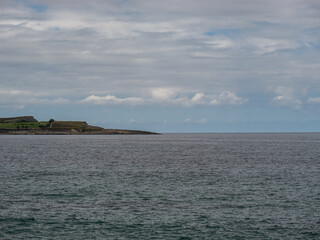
pixel 28 125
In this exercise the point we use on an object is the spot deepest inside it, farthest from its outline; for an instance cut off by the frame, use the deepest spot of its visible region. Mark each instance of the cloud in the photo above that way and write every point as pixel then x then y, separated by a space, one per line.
pixel 220 43
pixel 20 99
pixel 228 98
pixel 315 100
pixel 224 98
pixel 286 98
pixel 188 53
pixel 199 98
pixel 287 101
pixel 169 97
pixel 159 96
pixel 164 94
pixel 268 45
pixel 112 100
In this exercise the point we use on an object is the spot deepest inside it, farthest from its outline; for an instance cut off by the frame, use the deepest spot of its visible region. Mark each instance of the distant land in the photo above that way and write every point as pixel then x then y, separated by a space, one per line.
pixel 28 125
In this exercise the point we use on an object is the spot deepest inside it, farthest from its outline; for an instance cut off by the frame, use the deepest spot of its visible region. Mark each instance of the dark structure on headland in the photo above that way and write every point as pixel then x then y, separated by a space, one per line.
pixel 18 119
pixel 28 125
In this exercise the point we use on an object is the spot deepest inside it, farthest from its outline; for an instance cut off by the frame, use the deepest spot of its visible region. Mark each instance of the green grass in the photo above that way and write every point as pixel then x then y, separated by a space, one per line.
pixel 23 125
pixel 69 124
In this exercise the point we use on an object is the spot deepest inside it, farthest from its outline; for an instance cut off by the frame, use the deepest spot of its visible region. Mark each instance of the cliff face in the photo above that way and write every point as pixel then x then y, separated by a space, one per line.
pixel 18 119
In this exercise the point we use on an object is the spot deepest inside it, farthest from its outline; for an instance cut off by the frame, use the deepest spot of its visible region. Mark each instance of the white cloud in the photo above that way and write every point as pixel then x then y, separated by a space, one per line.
pixel 112 100
pixel 164 94
pixel 268 45
pixel 220 43
pixel 228 98
pixel 198 98
pixel 287 101
pixel 169 97
pixel 286 98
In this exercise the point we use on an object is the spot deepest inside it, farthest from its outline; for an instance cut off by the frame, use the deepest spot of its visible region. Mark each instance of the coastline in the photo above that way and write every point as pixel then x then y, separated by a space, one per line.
pixel 74 132
pixel 28 125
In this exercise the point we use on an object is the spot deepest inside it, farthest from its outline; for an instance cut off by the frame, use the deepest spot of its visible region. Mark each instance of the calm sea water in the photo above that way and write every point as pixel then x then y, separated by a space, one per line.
pixel 171 186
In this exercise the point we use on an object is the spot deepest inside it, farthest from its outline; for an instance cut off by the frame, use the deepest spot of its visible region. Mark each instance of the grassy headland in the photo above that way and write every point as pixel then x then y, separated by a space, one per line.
pixel 29 125
pixel 23 125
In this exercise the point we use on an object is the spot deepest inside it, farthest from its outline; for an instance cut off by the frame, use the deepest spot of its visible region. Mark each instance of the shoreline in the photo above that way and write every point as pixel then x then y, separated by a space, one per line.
pixel 75 132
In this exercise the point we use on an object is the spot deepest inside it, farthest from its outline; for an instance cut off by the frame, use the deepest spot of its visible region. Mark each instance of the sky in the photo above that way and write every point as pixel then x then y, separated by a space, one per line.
pixel 164 66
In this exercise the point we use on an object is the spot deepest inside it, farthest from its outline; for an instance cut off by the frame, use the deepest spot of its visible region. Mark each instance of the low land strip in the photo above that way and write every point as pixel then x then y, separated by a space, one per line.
pixel 28 125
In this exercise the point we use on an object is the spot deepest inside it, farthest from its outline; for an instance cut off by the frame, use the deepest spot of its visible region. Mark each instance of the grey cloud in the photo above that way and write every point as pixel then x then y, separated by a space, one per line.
pixel 315 100
pixel 95 48
pixel 20 99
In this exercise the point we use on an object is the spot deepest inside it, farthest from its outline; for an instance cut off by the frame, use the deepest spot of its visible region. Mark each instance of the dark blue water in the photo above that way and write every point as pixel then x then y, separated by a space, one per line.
pixel 172 186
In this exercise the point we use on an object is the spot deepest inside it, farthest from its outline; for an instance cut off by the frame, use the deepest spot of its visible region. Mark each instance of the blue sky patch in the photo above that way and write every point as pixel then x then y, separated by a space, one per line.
pixel 225 32
pixel 36 7
pixel 54 29
pixel 39 8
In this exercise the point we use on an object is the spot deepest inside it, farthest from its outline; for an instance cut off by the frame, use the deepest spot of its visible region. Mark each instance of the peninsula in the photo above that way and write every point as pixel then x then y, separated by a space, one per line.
pixel 28 125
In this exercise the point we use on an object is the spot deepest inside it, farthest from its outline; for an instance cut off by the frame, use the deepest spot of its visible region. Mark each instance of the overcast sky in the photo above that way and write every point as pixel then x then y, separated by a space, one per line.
pixel 167 66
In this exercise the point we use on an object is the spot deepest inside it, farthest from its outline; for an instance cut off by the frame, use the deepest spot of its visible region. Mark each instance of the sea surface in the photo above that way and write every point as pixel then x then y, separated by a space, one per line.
pixel 170 186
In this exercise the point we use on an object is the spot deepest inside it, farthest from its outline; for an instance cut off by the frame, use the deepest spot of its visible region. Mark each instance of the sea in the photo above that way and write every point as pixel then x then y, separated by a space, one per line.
pixel 169 186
